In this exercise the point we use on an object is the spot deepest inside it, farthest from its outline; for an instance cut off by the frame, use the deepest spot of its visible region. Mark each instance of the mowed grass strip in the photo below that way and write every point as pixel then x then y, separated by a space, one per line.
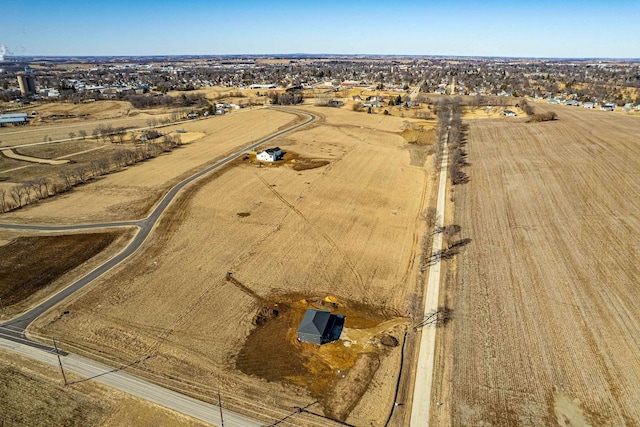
pixel 29 264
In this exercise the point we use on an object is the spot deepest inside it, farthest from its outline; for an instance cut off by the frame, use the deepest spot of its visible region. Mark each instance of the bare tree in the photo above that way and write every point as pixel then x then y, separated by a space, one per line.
pixel 16 195
pixel 34 185
pixel 82 133
pixel 24 189
pixel 3 200
pixel 81 174
pixel 45 186
pixel 72 135
pixel 67 178
pixel 119 159
pixel 103 164
pixel 439 317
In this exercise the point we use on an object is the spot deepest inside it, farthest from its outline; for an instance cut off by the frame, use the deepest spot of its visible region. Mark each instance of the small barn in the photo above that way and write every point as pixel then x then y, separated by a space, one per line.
pixel 320 327
pixel 270 154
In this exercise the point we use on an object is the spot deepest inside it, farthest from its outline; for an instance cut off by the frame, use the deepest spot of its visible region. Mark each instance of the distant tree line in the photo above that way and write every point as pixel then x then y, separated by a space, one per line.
pixel 183 100
pixel 285 98
pixel 70 176
pixel 536 117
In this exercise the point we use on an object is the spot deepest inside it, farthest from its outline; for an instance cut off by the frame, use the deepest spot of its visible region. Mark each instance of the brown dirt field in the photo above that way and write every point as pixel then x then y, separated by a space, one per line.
pixel 130 193
pixel 349 229
pixel 546 314
pixel 32 394
pixel 29 264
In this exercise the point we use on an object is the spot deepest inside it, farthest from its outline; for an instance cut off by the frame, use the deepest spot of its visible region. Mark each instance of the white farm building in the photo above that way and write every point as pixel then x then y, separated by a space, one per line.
pixel 269 155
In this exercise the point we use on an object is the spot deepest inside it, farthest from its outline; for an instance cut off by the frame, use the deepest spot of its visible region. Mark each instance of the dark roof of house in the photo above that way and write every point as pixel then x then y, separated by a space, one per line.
pixel 314 322
pixel 273 150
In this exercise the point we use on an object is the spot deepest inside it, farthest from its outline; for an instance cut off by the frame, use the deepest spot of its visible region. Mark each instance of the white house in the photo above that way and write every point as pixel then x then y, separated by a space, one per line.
pixel 589 105
pixel 269 155
pixel 509 113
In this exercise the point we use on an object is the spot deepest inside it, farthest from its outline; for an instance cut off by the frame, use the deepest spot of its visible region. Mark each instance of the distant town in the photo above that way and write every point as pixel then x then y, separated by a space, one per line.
pixel 142 80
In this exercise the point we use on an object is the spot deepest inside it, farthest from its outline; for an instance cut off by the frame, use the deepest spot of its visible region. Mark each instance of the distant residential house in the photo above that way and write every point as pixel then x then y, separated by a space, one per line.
pixel 608 107
pixel 357 98
pixel 269 155
pixel 590 105
pixel 372 104
pixel 335 103
pixel 440 91
pixel 508 113
pixel 572 103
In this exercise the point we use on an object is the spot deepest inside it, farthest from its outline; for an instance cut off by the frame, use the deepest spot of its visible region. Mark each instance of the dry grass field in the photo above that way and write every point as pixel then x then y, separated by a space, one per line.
pixel 342 234
pixel 130 193
pixel 32 394
pixel 545 297
pixel 77 117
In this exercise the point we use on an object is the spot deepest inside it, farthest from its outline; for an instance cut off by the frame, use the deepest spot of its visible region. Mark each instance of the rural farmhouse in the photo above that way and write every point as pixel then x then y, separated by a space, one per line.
pixel 270 155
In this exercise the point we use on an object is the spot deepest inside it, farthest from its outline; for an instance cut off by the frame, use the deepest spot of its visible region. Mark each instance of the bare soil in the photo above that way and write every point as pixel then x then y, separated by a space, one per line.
pixel 29 264
pixel 547 317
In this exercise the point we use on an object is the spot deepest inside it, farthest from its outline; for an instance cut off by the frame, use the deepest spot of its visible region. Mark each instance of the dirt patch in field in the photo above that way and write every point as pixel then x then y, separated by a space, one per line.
pixel 419 135
pixel 29 264
pixel 273 352
pixel 290 159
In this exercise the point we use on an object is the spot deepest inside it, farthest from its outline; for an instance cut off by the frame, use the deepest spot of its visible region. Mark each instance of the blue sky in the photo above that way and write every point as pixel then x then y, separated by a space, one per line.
pixel 560 28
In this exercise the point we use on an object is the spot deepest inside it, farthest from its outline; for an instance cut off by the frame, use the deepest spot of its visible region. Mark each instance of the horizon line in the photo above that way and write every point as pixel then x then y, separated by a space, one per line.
pixel 302 54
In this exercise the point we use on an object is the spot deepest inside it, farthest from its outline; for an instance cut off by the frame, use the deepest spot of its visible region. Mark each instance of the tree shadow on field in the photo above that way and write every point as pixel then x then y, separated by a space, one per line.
pixel 452 250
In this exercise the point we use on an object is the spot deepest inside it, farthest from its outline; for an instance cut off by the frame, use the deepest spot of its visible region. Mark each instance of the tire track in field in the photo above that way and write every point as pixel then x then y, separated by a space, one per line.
pixel 416 234
pixel 328 239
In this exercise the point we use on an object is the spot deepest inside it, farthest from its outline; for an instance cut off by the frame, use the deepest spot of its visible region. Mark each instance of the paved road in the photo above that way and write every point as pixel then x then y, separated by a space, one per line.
pixel 426 358
pixel 135 386
pixel 16 327
pixel 12 333
pixel 415 91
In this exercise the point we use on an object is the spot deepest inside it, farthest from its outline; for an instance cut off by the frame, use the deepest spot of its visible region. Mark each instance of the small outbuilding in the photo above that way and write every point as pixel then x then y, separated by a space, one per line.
pixel 509 113
pixel 320 327
pixel 13 119
pixel 269 155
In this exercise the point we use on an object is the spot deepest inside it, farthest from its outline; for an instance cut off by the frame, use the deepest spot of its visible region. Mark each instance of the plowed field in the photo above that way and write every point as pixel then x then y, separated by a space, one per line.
pixel 344 234
pixel 547 314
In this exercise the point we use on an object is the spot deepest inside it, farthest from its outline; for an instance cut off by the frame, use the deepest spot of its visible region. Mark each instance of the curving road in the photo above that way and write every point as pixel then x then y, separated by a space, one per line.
pixel 12 333
pixel 14 330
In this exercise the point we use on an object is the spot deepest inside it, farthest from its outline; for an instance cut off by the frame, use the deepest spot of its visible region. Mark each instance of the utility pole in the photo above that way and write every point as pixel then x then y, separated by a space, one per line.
pixel 60 362
pixel 220 404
